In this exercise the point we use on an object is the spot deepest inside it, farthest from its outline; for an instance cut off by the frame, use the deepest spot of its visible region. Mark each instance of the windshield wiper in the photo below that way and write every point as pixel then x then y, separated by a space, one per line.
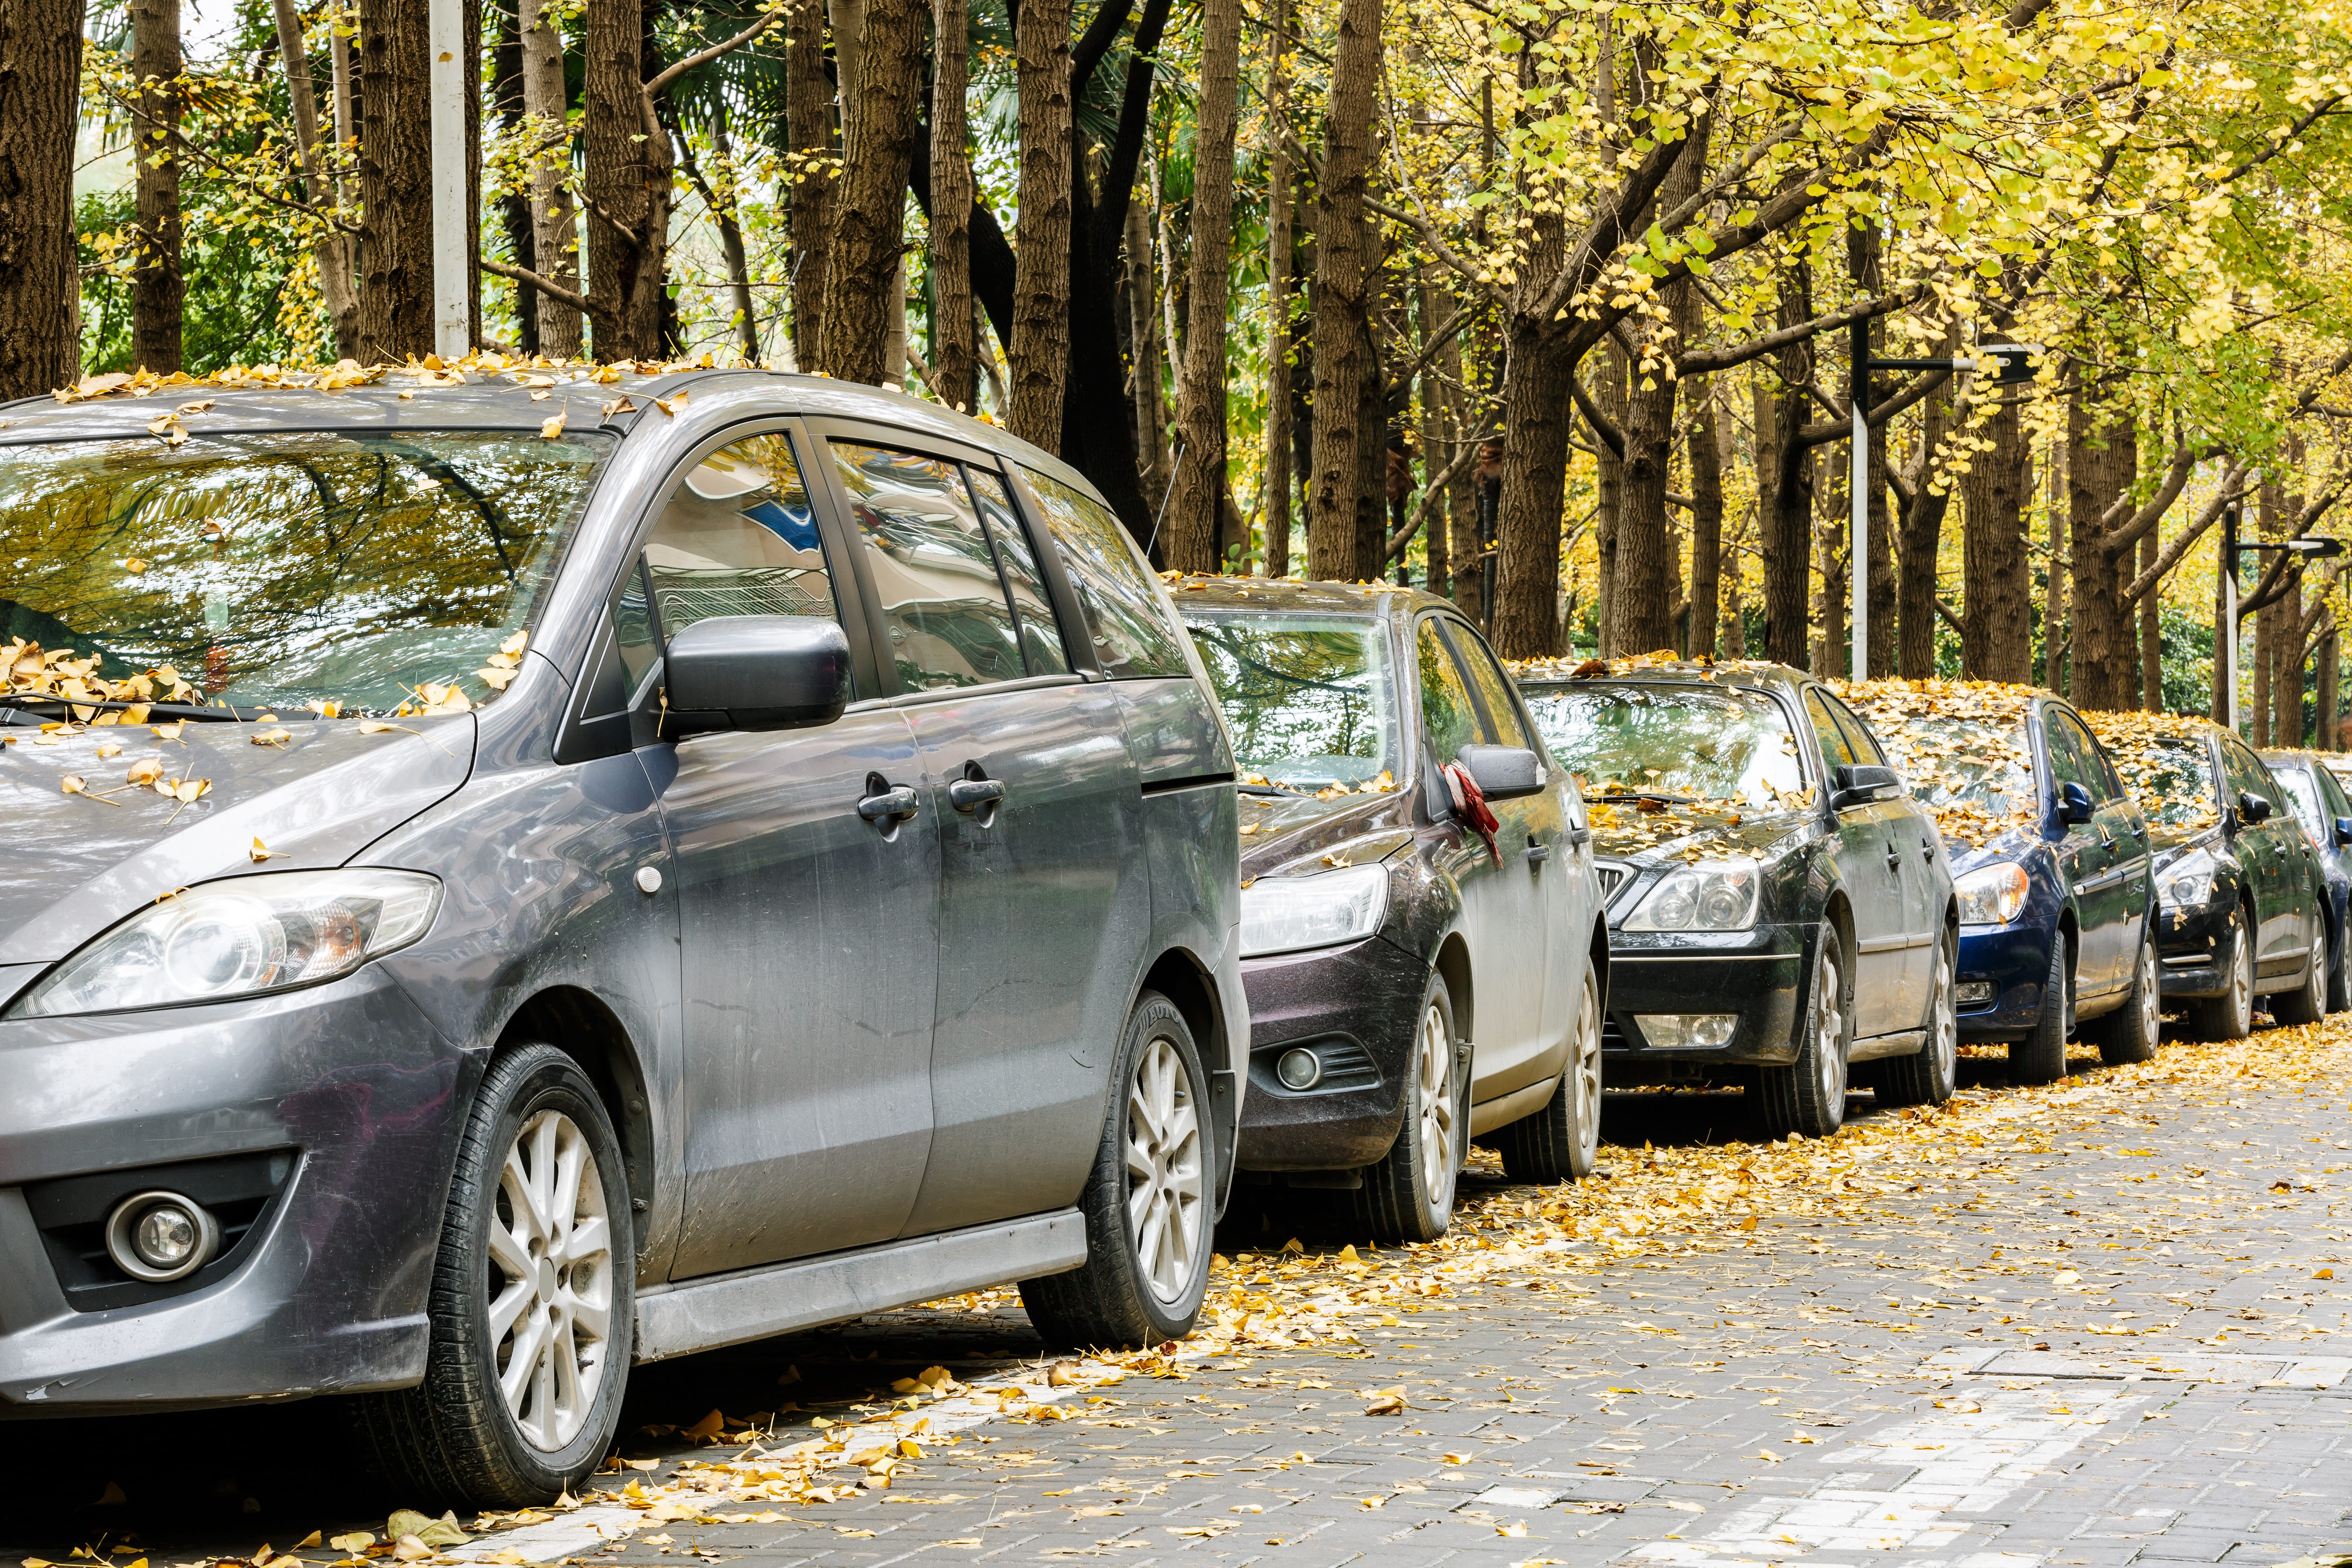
pixel 1649 795
pixel 1269 789
pixel 31 701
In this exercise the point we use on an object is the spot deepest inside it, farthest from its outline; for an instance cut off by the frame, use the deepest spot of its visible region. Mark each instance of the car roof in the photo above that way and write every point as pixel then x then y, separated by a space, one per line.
pixel 493 396
pixel 1203 591
pixel 1651 670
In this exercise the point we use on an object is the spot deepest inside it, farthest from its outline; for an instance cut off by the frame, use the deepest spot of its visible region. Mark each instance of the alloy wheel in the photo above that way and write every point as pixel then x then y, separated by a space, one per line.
pixel 1433 1064
pixel 1945 1020
pixel 2241 975
pixel 1588 1068
pixel 550 1284
pixel 2151 1004
pixel 1164 1212
pixel 1829 1015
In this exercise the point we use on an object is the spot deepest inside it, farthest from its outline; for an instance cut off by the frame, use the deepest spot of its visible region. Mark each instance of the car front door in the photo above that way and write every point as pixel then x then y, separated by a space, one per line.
pixel 1045 900
pixel 808 930
pixel 2098 857
pixel 1870 869
pixel 1913 837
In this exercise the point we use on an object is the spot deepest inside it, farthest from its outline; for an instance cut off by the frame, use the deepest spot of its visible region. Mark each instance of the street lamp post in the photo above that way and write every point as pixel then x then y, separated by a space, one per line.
pixel 453 324
pixel 2010 364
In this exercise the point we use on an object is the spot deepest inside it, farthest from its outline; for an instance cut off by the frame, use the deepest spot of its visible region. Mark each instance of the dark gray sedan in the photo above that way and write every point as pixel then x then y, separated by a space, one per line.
pixel 511 878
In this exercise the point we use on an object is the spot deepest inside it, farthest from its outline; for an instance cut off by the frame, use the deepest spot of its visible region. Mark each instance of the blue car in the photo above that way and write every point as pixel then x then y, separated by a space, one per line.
pixel 2050 862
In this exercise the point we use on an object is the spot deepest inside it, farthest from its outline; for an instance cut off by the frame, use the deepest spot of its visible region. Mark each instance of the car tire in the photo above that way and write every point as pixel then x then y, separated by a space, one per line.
pixel 2230 1015
pixel 2130 1033
pixel 517 1275
pixel 2307 1003
pixel 2041 1057
pixel 1808 1097
pixel 1150 1204
pixel 2339 973
pixel 1928 1075
pixel 1408 1196
pixel 1560 1141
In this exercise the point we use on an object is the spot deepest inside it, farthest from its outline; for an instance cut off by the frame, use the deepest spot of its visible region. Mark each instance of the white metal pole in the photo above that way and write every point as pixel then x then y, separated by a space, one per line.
pixel 1860 554
pixel 453 325
pixel 2230 640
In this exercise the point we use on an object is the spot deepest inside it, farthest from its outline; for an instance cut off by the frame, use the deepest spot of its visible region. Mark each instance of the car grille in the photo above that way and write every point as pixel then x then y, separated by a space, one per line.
pixel 1613 874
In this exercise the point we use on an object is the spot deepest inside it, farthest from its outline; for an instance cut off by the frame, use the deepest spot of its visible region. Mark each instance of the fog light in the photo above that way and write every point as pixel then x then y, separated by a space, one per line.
pixel 1298 1069
pixel 1970 993
pixel 160 1236
pixel 1688 1031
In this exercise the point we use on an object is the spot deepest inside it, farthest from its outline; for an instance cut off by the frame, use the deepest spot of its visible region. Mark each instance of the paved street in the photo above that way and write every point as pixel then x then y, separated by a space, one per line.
pixel 2097 1323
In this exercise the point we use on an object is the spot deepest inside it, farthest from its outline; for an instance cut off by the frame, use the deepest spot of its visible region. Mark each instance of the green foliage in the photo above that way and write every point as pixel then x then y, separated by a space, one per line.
pixel 240 286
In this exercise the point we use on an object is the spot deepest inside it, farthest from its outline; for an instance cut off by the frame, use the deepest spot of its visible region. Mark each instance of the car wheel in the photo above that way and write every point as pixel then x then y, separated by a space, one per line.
pixel 1408 1194
pixel 1928 1076
pixel 531 1308
pixel 2130 1033
pixel 2340 975
pixel 2041 1057
pixel 2230 1015
pixel 1560 1141
pixel 1149 1202
pixel 2307 1003
pixel 1810 1096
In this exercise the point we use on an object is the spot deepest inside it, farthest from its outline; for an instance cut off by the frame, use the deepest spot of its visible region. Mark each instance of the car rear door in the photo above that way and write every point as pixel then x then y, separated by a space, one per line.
pixel 2273 859
pixel 1044 902
pixel 808 931
pixel 1870 869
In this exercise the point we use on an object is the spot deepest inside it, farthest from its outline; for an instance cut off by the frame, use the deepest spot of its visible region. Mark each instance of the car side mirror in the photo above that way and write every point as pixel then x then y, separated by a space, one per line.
pixel 1502 772
pixel 1862 784
pixel 760 672
pixel 2073 804
pixel 2342 831
pixel 2251 807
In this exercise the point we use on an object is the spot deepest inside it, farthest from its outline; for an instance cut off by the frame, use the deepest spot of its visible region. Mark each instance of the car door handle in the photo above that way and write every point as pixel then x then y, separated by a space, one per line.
pixel 1537 852
pixel 1894 857
pixel 1578 837
pixel 970 794
pixel 895 804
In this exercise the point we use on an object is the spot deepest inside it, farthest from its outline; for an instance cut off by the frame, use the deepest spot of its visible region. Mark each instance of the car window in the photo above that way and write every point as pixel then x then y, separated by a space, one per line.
pixel 2096 759
pixel 1834 750
pixel 1127 614
pixel 2070 762
pixel 1858 738
pixel 2303 791
pixel 1448 717
pixel 736 538
pixel 945 615
pixel 2331 793
pixel 2246 773
pixel 1505 726
pixel 1310 699
pixel 1032 606
pixel 1716 744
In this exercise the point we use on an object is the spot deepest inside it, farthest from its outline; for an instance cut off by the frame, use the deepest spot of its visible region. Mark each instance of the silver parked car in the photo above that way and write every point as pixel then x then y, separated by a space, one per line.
pixel 504 883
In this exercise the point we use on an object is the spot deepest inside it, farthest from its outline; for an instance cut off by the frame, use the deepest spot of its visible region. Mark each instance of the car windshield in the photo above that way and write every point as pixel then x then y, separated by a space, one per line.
pixel 2307 803
pixel 1707 743
pixel 1979 763
pixel 1308 698
pixel 2171 780
pixel 366 570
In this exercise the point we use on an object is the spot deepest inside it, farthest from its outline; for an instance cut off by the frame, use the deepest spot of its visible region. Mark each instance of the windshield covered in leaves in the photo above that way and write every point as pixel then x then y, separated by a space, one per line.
pixel 1715 744
pixel 2166 765
pixel 285 569
pixel 1307 698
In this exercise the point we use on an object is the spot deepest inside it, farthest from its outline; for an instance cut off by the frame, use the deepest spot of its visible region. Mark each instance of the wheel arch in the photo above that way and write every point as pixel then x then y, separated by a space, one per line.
pixel 1181 976
pixel 1453 965
pixel 576 1022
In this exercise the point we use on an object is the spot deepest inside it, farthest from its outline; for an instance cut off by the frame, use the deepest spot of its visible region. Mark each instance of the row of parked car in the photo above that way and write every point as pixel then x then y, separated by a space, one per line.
pixel 510 881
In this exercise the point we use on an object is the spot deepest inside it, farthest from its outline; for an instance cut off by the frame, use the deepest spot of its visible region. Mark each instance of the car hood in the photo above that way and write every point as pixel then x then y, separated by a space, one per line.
pixel 77 862
pixel 2011 842
pixel 1650 832
pixel 1278 831
pixel 2170 844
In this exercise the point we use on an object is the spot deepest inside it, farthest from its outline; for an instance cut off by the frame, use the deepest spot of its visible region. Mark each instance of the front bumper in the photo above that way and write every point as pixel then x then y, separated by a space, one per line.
pixel 2189 955
pixel 1356 1006
pixel 351 1095
pixel 1755 975
pixel 2015 960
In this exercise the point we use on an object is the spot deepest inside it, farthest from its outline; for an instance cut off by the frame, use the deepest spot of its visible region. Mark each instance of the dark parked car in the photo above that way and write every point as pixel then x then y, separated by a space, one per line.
pixel 2242 898
pixel 503 887
pixel 1415 982
pixel 2050 862
pixel 2325 812
pixel 1780 910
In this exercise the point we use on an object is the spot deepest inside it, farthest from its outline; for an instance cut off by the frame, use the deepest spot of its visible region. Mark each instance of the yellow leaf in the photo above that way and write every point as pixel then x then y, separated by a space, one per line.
pixel 72 784
pixel 710 1427
pixel 354 1543
pixel 552 428
pixel 1516 1529
pixel 313 1538
pixel 273 737
pixel 260 852
pixel 672 404
pixel 187 792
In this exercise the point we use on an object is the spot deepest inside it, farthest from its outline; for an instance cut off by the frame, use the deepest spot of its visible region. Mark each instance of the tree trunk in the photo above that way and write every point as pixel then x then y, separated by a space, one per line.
pixel 2151 634
pixel 1535 409
pixel 1830 653
pixel 1439 442
pixel 513 109
pixel 2326 658
pixel 1923 541
pixel 1787 508
pixel 40 44
pixel 868 219
pixel 808 134
pixel 2102 463
pixel 1997 580
pixel 1608 499
pixel 1342 291
pixel 1372 449
pixel 1041 306
pixel 554 226
pixel 2053 604
pixel 1640 599
pixel 157 289
pixel 955 348
pixel 1273 505
pixel 1705 456
pixel 397 180
pixel 1143 361
pixel 1192 528
pixel 628 188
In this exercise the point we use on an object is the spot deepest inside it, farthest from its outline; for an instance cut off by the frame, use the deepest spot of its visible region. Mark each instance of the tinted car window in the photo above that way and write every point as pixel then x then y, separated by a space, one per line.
pixel 1835 749
pixel 1858 738
pixel 2303 791
pixel 2331 793
pixel 1040 637
pixel 2245 772
pixel 1307 698
pixel 1710 743
pixel 1126 615
pixel 1447 714
pixel 1494 688
pixel 737 538
pixel 2070 760
pixel 944 610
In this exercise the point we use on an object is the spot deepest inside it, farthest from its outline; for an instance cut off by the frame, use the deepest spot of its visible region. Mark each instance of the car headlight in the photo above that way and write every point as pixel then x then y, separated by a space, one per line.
pixel 240 938
pixel 1284 914
pixel 1711 895
pixel 2188 882
pixel 1991 895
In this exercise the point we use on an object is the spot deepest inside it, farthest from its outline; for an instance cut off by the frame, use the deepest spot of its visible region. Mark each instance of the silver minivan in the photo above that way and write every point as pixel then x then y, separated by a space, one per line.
pixel 513 875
